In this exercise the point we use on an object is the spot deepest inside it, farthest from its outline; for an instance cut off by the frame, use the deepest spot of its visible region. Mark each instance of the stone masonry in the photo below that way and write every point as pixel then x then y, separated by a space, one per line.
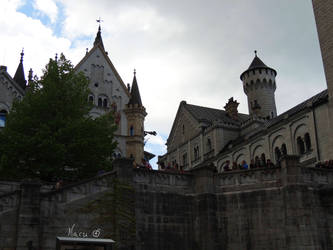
pixel 277 208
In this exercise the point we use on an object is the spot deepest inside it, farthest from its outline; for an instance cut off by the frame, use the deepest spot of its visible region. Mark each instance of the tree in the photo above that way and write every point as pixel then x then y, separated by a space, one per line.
pixel 50 133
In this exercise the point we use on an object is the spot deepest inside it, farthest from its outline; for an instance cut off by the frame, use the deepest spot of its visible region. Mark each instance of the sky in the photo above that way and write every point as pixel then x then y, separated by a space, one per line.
pixel 192 50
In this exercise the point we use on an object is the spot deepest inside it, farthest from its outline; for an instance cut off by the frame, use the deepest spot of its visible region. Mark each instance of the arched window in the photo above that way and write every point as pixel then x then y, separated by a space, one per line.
pixel 300 145
pixel 277 154
pixel 307 140
pixel 91 99
pixel 99 102
pixel 105 103
pixel 183 129
pixel 3 115
pixel 131 131
pixel 284 149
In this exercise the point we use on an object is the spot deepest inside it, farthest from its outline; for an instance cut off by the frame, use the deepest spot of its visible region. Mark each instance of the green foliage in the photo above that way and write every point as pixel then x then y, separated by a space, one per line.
pixel 115 210
pixel 50 133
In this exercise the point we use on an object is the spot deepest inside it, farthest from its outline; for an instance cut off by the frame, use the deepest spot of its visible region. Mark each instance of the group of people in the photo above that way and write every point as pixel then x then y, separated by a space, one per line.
pixel 174 168
pixel 143 165
pixel 244 166
pixel 327 164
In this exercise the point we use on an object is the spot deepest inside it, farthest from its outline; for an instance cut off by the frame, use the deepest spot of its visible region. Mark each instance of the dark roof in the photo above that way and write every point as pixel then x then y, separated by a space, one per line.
pixel 209 114
pixel 311 102
pixel 19 77
pixel 257 63
pixel 98 39
pixel 135 97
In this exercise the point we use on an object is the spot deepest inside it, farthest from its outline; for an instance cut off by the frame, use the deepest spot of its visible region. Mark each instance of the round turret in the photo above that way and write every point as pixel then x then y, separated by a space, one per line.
pixel 259 86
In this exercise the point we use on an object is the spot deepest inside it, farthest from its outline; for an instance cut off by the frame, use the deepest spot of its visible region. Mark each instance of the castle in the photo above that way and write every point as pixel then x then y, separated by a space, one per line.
pixel 221 137
pixel 108 93
pixel 286 206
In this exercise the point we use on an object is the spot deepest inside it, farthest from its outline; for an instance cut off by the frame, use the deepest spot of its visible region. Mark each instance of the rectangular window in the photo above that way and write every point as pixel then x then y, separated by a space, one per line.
pixel 2 121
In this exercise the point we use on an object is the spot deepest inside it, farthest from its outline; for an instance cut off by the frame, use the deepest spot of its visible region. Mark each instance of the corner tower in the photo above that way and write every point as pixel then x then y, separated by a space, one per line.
pixel 135 113
pixel 259 86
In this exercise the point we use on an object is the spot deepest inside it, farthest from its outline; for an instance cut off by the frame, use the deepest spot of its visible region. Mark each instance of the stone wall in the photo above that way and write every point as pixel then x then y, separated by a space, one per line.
pixel 278 208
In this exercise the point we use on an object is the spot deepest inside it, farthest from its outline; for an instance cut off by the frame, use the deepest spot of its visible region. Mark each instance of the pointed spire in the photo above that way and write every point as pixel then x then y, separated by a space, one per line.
pixel 19 75
pixel 256 62
pixel 135 97
pixel 98 39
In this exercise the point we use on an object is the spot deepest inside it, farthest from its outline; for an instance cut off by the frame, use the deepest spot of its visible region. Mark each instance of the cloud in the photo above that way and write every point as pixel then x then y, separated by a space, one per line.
pixel 48 8
pixel 38 41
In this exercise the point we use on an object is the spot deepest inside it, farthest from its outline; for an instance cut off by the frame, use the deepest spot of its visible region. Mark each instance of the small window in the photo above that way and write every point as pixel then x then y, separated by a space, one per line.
pixel 262 159
pixel 105 103
pixel 300 145
pixel 277 154
pixel 183 129
pixel 131 131
pixel 184 159
pixel 114 107
pixel 3 115
pixel 284 149
pixel 100 102
pixel 91 99
pixel 209 145
pixel 196 153
pixel 307 140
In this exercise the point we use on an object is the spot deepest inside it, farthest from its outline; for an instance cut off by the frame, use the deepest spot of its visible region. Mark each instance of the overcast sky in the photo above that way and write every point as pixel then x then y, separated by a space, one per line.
pixel 191 50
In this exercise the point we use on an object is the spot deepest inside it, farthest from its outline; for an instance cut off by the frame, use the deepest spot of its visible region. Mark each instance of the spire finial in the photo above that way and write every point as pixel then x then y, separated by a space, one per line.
pixel 99 20
pixel 255 53
pixel 134 72
pixel 22 54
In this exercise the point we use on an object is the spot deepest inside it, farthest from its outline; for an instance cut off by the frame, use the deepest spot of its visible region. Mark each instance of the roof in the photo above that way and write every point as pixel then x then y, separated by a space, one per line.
pixel 257 63
pixel 135 97
pixel 311 102
pixel 210 114
pixel 19 75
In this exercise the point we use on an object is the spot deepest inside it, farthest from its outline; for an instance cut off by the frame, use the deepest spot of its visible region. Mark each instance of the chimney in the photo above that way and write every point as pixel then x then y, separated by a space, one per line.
pixel 231 108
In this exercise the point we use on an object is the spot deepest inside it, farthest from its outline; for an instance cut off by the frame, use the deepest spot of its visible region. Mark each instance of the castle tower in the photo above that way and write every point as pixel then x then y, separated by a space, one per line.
pixel 259 86
pixel 135 114
pixel 19 74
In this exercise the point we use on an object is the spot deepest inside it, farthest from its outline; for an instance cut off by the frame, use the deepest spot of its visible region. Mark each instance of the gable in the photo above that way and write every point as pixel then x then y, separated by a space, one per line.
pixel 184 127
pixel 103 76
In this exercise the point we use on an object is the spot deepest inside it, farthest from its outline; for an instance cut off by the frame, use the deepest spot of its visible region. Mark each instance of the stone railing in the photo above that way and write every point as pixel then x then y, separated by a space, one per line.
pixel 248 179
pixel 159 181
pixel 317 176
pixel 80 190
